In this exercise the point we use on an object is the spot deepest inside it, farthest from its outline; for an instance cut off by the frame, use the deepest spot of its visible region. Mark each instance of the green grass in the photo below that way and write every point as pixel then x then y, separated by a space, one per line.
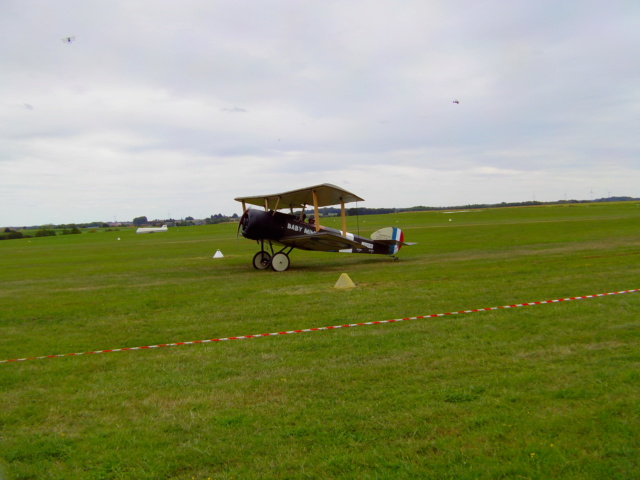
pixel 548 391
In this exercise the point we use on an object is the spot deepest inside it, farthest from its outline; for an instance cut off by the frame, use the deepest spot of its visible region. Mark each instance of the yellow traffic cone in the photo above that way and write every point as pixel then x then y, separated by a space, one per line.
pixel 344 282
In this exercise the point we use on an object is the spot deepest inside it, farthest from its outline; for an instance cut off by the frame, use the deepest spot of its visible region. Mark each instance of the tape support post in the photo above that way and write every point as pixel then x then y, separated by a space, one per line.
pixel 316 329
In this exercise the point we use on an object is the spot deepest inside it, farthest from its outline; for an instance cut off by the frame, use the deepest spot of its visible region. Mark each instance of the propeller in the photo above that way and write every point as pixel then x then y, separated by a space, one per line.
pixel 243 219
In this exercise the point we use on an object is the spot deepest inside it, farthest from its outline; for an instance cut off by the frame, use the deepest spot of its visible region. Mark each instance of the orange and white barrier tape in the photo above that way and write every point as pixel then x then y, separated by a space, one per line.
pixel 316 329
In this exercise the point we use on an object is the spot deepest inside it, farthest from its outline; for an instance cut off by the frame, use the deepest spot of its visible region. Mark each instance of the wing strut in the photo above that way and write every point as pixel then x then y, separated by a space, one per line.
pixel 315 210
pixel 344 218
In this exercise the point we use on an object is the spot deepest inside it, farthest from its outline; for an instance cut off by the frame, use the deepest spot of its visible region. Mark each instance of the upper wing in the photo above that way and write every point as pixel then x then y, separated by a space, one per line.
pixel 327 195
pixel 322 241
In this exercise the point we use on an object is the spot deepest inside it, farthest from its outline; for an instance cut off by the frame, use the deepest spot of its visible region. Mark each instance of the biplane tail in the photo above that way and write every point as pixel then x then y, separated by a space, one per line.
pixel 391 236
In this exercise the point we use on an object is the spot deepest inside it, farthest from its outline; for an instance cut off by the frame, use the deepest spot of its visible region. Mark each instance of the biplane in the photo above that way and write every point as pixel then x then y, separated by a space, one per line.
pixel 270 227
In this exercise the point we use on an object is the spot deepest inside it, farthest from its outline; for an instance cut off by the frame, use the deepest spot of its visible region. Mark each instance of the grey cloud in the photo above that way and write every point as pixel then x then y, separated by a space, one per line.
pixel 339 91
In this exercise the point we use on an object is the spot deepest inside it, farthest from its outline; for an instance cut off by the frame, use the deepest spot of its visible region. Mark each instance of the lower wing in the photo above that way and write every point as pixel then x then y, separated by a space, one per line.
pixel 321 241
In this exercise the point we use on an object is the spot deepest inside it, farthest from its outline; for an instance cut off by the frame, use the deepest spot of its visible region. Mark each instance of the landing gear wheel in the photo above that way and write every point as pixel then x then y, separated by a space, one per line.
pixel 280 262
pixel 261 260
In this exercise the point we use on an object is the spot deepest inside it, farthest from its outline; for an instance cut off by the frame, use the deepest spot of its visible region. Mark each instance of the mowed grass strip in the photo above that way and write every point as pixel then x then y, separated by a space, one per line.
pixel 537 392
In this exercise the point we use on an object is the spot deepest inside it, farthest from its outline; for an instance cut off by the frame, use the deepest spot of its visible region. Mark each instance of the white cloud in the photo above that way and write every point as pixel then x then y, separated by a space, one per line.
pixel 163 107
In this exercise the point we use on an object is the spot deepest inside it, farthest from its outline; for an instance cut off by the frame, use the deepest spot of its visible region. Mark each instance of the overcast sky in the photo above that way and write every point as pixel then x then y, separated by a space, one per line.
pixel 174 108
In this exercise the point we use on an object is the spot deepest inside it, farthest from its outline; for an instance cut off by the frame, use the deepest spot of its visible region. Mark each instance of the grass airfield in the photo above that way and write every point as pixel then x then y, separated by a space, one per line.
pixel 548 391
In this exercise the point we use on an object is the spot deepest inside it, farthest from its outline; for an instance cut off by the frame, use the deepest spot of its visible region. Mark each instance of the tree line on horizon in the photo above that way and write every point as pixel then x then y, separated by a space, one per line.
pixel 421 208
pixel 71 229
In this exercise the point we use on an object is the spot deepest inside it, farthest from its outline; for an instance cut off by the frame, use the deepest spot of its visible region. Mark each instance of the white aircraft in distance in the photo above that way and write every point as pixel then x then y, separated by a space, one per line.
pixel 163 228
pixel 269 227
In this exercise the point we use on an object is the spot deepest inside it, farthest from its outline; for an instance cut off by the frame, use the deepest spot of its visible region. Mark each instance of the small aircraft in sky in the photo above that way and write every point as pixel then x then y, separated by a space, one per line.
pixel 456 101
pixel 68 39
pixel 271 227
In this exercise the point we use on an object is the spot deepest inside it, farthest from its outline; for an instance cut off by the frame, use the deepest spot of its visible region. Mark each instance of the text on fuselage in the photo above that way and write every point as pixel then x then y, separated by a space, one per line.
pixel 301 229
